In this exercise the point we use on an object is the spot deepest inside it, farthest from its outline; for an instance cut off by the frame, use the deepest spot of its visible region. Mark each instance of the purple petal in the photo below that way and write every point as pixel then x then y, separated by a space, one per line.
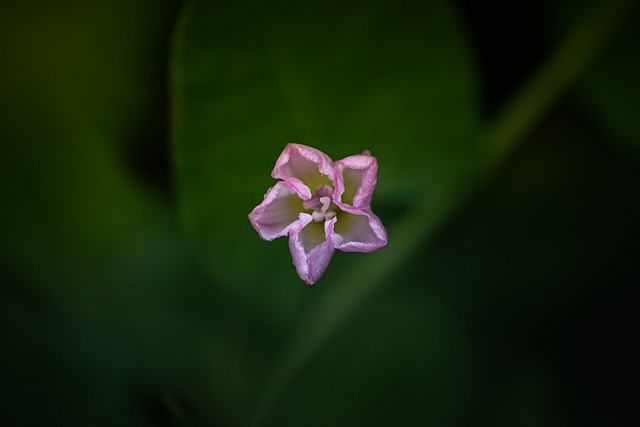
pixel 303 168
pixel 361 232
pixel 311 247
pixel 355 180
pixel 277 213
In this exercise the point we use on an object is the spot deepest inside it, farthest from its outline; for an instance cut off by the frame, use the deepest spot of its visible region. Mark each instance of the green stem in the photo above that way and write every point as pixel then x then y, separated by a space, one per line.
pixel 349 292
pixel 571 57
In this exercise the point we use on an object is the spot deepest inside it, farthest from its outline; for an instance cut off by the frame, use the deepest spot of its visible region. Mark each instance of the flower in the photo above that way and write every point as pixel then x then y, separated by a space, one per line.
pixel 321 205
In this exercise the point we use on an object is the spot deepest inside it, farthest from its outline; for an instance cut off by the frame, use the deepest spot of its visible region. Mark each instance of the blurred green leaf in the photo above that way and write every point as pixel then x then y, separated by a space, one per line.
pixel 248 78
pixel 87 294
pixel 403 358
pixel 73 103
pixel 610 87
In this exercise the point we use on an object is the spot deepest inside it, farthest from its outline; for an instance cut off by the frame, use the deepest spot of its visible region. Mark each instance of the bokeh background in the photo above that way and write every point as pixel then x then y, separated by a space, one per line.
pixel 135 137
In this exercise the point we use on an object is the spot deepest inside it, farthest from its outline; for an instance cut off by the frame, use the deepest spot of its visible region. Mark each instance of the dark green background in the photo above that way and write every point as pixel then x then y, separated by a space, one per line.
pixel 135 137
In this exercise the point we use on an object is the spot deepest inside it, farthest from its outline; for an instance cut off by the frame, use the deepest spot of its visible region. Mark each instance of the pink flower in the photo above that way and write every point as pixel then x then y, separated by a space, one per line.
pixel 322 206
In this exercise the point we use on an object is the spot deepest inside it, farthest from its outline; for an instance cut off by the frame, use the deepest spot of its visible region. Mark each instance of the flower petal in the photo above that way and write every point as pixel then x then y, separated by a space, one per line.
pixel 311 248
pixel 355 180
pixel 361 232
pixel 303 168
pixel 277 213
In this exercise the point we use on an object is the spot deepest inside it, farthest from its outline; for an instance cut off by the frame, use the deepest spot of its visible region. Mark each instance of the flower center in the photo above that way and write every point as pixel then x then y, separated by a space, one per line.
pixel 320 203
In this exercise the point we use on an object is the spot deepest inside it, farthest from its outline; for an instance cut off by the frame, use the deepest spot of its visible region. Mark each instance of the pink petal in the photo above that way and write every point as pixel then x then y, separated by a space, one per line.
pixel 361 232
pixel 311 252
pixel 303 168
pixel 277 213
pixel 355 181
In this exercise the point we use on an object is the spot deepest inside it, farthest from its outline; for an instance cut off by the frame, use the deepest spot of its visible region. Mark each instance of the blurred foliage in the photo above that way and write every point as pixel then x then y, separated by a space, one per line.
pixel 133 291
pixel 610 87
pixel 369 81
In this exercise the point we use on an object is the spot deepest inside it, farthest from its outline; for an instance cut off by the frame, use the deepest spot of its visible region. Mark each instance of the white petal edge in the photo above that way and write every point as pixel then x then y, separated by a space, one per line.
pixel 272 218
pixel 312 265
pixel 367 165
pixel 297 162
pixel 365 234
